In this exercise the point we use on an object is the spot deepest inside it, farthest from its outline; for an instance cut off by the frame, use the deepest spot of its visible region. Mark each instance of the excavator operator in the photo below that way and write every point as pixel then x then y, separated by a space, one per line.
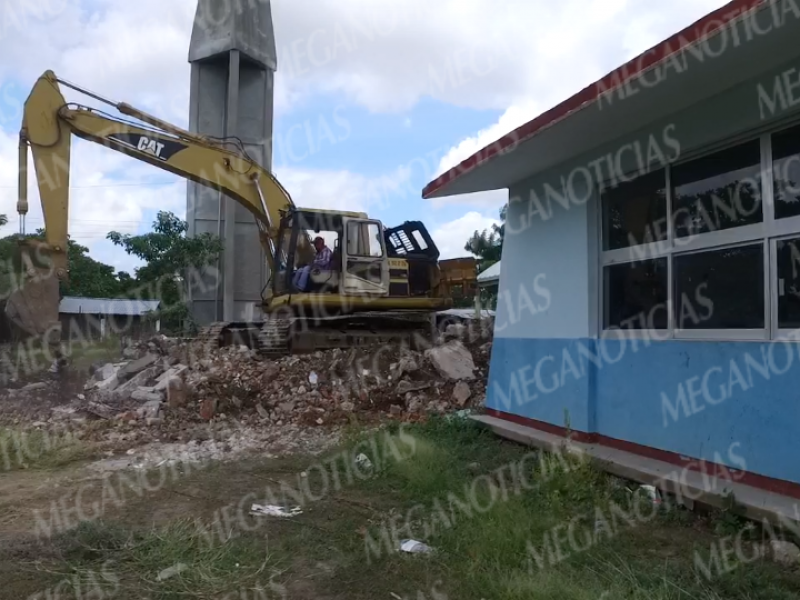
pixel 321 261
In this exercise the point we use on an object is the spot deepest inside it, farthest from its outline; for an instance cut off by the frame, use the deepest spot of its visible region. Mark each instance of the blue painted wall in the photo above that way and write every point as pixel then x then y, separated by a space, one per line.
pixel 725 402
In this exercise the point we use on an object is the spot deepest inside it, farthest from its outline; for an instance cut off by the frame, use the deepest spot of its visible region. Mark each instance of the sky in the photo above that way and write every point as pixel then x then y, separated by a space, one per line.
pixel 373 98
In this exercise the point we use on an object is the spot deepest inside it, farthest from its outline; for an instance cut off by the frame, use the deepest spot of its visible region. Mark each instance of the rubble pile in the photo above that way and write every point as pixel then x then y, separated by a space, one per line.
pixel 167 379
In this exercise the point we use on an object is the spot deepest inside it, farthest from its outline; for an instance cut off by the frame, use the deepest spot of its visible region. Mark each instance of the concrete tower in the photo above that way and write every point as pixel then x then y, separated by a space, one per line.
pixel 233 58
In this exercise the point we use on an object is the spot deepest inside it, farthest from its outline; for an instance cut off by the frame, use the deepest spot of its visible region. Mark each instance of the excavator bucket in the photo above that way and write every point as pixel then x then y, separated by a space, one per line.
pixel 33 308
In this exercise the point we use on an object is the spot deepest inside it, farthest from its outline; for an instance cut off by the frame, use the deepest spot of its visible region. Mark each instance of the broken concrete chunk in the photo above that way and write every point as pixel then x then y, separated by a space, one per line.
pixel 411 386
pixel 33 387
pixel 139 380
pixel 101 410
pixel 176 393
pixel 406 365
pixel 105 372
pixel 461 393
pixel 143 394
pixel 166 376
pixel 136 366
pixel 452 360
pixel 149 410
pixel 785 553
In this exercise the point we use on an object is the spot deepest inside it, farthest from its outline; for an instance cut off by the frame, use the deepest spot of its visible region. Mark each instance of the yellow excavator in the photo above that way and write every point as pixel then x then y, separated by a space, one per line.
pixel 383 284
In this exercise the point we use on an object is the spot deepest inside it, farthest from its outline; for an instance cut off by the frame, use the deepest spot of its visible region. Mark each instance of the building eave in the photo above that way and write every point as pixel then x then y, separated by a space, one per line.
pixel 501 164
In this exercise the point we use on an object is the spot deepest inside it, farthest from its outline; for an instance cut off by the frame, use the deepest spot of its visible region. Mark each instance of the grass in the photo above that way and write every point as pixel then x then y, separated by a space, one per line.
pixel 580 523
pixel 36 449
pixel 176 561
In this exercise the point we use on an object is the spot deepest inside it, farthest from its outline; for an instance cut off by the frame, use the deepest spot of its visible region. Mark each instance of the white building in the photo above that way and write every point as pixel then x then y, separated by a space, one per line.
pixel 650 275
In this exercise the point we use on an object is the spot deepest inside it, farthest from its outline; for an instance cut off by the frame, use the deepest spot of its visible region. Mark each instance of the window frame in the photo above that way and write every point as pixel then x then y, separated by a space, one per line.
pixel 768 232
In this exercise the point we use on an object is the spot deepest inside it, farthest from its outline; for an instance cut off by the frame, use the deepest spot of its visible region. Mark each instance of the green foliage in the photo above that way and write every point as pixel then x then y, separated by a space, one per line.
pixel 488 245
pixel 88 278
pixel 170 257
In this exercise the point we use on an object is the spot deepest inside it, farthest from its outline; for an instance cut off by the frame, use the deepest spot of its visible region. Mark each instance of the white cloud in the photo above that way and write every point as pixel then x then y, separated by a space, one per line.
pixel 341 190
pixel 99 201
pixel 577 45
pixel 451 237
pixel 383 55
pixel 520 56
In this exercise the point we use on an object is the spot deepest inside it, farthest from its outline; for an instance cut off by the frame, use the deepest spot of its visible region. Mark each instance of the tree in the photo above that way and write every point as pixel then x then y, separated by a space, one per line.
pixel 3 220
pixel 488 245
pixel 88 278
pixel 170 257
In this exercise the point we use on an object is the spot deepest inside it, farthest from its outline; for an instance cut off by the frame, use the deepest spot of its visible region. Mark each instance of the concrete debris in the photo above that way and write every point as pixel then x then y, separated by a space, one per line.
pixel 136 366
pixel 231 442
pixel 171 390
pixel 176 393
pixel 784 553
pixel 461 393
pixel 144 394
pixel 32 387
pixel 149 410
pixel 453 360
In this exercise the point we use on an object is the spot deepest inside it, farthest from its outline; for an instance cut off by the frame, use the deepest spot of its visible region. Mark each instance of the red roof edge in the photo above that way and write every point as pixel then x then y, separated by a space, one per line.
pixel 696 32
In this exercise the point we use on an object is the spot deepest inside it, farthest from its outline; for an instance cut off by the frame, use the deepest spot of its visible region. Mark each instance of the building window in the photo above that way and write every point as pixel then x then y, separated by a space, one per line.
pixel 788 285
pixel 636 295
pixel 718 192
pixel 635 212
pixel 727 266
pixel 786 172
pixel 720 289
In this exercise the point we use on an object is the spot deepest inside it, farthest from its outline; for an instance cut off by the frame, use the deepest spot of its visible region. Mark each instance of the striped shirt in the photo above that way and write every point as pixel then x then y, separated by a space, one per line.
pixel 323 259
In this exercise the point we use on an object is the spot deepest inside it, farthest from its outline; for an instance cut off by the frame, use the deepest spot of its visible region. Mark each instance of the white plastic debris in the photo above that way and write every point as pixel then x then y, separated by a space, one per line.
pixel 271 510
pixel 171 571
pixel 313 378
pixel 651 492
pixel 464 413
pixel 415 547
pixel 363 461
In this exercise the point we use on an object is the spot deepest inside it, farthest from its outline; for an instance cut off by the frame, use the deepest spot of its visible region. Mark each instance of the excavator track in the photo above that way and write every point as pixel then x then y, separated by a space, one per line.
pixel 274 338
pixel 212 334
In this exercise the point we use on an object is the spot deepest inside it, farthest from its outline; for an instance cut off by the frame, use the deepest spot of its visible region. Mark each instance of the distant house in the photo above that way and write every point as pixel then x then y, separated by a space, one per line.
pixel 97 318
pixel 488 282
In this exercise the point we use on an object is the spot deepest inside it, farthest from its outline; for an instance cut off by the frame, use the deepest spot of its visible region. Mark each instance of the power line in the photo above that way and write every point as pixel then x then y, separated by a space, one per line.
pixel 109 185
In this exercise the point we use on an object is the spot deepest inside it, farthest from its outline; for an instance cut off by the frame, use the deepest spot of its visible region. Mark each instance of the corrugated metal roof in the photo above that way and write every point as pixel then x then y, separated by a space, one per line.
pixel 490 274
pixel 106 306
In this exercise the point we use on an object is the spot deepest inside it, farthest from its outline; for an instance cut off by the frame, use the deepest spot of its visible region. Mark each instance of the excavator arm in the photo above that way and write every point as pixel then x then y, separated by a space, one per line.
pixel 48 123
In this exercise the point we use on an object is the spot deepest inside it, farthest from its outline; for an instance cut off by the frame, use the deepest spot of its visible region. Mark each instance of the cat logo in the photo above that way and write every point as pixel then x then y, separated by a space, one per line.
pixel 153 147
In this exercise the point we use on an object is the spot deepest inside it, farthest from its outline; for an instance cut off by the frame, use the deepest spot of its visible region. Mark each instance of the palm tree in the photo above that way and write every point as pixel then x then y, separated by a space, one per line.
pixel 3 220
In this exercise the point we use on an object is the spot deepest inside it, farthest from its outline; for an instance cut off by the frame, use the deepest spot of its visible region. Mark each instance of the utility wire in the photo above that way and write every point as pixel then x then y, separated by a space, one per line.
pixel 108 185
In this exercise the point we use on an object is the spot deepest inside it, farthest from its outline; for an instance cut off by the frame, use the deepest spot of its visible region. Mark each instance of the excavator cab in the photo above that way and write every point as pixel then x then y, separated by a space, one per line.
pixel 359 264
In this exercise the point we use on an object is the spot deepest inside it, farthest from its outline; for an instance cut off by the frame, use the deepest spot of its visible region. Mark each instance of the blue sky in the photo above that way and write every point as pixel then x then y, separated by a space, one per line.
pixel 369 96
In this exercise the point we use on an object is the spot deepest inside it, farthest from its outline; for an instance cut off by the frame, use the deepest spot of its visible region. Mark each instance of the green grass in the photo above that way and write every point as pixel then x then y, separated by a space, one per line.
pixel 134 562
pixel 36 449
pixel 482 551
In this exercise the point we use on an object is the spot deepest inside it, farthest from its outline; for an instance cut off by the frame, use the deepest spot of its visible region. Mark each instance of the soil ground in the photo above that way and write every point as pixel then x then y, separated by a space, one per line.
pixel 504 522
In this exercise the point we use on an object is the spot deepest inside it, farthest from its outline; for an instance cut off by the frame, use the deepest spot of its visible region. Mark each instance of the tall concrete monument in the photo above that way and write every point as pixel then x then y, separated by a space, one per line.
pixel 233 58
